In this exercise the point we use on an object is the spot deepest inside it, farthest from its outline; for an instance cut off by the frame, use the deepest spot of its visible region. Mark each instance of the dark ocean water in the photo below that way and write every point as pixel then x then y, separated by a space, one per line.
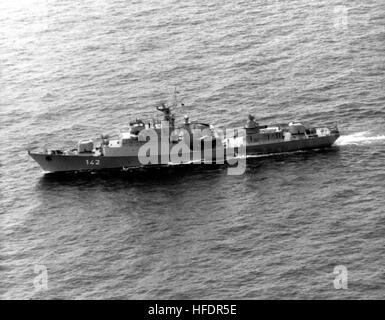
pixel 75 69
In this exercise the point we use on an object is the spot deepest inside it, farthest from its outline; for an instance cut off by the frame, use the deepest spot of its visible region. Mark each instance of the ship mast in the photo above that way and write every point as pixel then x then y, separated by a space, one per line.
pixel 166 110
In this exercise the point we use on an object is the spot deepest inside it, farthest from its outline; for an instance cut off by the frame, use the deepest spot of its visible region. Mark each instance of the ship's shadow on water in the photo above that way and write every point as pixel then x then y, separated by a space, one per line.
pixel 176 174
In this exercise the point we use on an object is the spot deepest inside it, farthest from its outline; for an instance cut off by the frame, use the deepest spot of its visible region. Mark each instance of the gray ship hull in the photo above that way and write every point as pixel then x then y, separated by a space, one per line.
pixel 74 163
pixel 52 163
pixel 292 146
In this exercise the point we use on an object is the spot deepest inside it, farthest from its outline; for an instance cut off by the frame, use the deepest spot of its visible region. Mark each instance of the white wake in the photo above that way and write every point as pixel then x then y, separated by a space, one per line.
pixel 360 138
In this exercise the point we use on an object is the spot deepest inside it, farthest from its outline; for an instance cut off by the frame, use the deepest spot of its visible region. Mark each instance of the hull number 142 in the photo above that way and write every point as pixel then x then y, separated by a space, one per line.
pixel 93 162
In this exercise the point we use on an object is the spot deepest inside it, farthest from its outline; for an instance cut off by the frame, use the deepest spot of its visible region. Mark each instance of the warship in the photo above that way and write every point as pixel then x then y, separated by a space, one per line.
pixel 162 143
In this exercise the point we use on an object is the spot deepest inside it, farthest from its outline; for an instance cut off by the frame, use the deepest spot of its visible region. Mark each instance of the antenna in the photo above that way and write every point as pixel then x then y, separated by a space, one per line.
pixel 176 101
pixel 176 92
